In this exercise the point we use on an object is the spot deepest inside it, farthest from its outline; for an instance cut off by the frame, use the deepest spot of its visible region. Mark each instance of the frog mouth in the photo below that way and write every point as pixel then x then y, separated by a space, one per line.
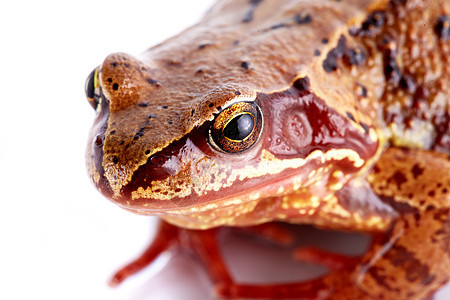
pixel 289 195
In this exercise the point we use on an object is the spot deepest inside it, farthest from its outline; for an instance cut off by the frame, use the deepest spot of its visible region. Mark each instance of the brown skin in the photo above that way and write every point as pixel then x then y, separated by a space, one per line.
pixel 354 135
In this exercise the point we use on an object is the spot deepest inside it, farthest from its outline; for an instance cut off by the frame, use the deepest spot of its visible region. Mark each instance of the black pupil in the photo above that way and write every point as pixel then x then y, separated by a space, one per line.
pixel 239 128
pixel 90 85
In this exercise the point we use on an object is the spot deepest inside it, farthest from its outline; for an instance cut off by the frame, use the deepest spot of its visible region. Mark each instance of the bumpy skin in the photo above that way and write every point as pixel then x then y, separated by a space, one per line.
pixel 355 136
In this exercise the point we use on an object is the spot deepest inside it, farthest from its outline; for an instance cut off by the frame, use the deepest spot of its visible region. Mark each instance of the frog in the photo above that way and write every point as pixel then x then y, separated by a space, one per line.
pixel 329 113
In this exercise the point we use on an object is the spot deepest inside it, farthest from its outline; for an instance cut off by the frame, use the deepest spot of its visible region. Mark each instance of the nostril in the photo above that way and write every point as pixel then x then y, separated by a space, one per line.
pixel 98 140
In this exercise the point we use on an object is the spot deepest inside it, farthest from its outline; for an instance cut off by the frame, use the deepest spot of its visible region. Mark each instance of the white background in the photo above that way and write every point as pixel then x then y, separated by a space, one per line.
pixel 59 238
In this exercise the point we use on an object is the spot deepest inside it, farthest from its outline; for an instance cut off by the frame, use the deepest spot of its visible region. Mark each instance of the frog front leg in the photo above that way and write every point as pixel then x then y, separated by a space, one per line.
pixel 413 259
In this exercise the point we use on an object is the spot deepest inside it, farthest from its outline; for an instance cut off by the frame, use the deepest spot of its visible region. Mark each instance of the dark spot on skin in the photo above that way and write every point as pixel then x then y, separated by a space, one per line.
pixel 127 65
pixel 276 26
pixel 373 22
pixel 152 116
pixel 427 280
pixel 249 15
pixel 402 207
pixel 144 69
pixel 211 104
pixel 440 232
pixel 245 65
pixel 398 178
pixel 316 52
pixel 192 112
pixel 354 57
pixel 236 43
pixel 431 193
pixel 324 41
pixel 147 152
pixel 112 132
pixel 202 46
pixel 444 191
pixel 237 93
pixel 442 216
pixel 399 2
pixel 376 169
pixel 114 64
pixel 350 116
pixel 330 62
pixel 121 143
pixel 362 90
pixel 414 270
pixel 109 80
pixel 153 82
pixel 379 275
pixel 115 86
pixel 442 27
pixel 300 19
pixel 173 62
pixel 170 122
pixel 420 97
pixel 144 104
pixel 417 171
pixel 115 160
pixel 407 83
pixel 200 70
pixel 139 133
pixel 302 84
pixel 116 177
pixel 353 31
pixel 391 69
pixel 165 107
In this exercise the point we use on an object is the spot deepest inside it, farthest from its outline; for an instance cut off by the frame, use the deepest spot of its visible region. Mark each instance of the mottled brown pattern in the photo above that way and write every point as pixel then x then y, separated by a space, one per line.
pixel 416 63
pixel 415 187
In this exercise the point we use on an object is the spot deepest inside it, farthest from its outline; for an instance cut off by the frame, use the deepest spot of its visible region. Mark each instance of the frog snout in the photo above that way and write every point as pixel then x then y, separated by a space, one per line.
pixel 121 80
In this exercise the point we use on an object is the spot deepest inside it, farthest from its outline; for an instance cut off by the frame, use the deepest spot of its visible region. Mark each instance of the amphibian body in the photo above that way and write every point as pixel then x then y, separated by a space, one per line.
pixel 330 113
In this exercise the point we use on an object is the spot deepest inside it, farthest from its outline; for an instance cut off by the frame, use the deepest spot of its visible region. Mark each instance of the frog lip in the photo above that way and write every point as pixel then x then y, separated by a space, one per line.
pixel 233 199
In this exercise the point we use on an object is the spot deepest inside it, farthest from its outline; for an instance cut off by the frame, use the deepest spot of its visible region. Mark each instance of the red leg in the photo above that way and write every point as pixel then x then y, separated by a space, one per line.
pixel 332 261
pixel 384 271
pixel 273 232
pixel 204 244
pixel 166 235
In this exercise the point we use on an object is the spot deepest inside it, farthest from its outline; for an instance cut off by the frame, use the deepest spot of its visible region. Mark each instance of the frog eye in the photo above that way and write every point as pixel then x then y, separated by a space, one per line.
pixel 237 127
pixel 92 89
